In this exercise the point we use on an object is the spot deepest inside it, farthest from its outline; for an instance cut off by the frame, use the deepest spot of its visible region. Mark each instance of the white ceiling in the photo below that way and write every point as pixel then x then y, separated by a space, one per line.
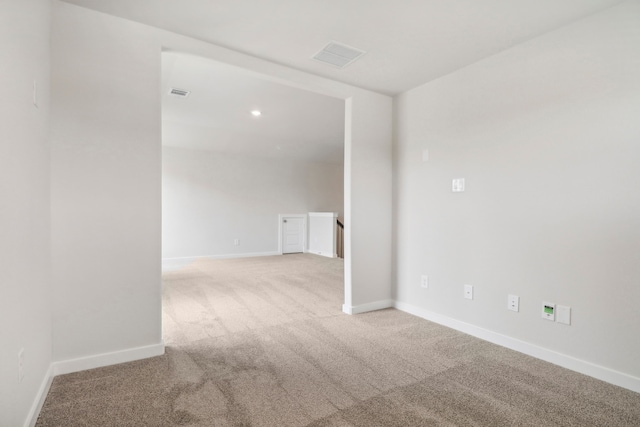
pixel 216 115
pixel 408 42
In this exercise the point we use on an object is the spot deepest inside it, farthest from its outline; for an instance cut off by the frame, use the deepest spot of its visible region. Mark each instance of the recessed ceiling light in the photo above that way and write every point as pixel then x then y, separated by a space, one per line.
pixel 256 113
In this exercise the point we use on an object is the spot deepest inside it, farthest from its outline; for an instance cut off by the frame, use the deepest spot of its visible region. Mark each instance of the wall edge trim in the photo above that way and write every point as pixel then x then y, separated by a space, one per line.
pixel 169 264
pixel 324 254
pixel 40 398
pixel 107 359
pixel 371 306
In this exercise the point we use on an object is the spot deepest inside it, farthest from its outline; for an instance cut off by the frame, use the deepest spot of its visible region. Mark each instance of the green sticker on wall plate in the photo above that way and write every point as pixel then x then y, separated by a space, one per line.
pixel 548 309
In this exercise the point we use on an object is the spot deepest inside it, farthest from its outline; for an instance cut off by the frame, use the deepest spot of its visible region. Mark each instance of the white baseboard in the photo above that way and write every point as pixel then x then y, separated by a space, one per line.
pixel 171 264
pixel 371 306
pixel 106 359
pixel 38 402
pixel 324 254
pixel 84 363
pixel 596 371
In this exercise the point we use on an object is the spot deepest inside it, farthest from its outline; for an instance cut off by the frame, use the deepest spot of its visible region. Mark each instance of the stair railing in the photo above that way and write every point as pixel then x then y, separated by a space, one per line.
pixel 340 239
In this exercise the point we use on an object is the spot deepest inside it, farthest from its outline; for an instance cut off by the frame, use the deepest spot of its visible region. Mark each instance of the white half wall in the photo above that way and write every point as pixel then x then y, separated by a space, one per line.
pixel 323 233
pixel 210 199
pixel 25 284
pixel 546 137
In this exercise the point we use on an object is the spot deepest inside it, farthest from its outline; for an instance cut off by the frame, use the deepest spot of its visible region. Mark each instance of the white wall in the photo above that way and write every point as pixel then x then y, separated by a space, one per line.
pixel 209 199
pixel 25 288
pixel 105 183
pixel 547 137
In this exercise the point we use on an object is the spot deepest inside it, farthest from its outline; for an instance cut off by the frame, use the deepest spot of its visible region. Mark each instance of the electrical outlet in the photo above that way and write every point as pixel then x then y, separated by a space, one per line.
pixel 21 365
pixel 236 242
pixel 513 303
pixel 424 281
pixel 468 291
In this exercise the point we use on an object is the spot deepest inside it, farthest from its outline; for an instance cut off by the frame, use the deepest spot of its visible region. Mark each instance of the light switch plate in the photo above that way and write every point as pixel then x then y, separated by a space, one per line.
pixel 457 185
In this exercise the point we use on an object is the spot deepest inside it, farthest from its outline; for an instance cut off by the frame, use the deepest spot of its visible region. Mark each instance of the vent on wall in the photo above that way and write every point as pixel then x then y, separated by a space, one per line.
pixel 339 55
pixel 179 92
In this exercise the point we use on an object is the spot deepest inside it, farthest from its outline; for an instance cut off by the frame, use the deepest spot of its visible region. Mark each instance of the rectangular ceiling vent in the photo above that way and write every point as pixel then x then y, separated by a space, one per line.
pixel 339 55
pixel 179 92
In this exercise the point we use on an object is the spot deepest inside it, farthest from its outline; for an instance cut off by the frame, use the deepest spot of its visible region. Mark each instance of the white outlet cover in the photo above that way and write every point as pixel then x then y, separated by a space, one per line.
pixel 424 281
pixel 468 291
pixel 513 303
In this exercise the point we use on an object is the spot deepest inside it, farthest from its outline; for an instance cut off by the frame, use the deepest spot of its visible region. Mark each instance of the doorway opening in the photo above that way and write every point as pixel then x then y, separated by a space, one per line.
pixel 228 172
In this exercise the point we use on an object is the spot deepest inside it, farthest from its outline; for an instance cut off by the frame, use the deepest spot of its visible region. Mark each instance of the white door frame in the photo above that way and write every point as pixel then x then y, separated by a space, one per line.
pixel 281 217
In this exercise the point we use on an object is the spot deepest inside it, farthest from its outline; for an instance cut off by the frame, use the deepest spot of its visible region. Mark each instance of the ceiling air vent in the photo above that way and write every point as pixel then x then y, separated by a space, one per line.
pixel 179 92
pixel 338 55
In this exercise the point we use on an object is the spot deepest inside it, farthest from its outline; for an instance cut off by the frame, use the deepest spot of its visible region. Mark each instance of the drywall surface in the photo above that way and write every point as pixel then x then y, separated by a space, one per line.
pixel 105 183
pixel 368 218
pixel 25 287
pixel 211 199
pixel 546 137
pixel 106 179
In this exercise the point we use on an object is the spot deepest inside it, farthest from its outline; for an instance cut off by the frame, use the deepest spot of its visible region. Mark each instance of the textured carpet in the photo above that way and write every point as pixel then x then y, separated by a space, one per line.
pixel 262 342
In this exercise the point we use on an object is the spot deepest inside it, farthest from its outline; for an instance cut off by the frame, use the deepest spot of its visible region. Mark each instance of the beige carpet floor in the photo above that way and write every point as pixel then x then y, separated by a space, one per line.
pixel 262 342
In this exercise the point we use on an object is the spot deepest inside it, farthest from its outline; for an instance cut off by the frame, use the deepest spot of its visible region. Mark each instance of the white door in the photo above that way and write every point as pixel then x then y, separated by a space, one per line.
pixel 292 235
